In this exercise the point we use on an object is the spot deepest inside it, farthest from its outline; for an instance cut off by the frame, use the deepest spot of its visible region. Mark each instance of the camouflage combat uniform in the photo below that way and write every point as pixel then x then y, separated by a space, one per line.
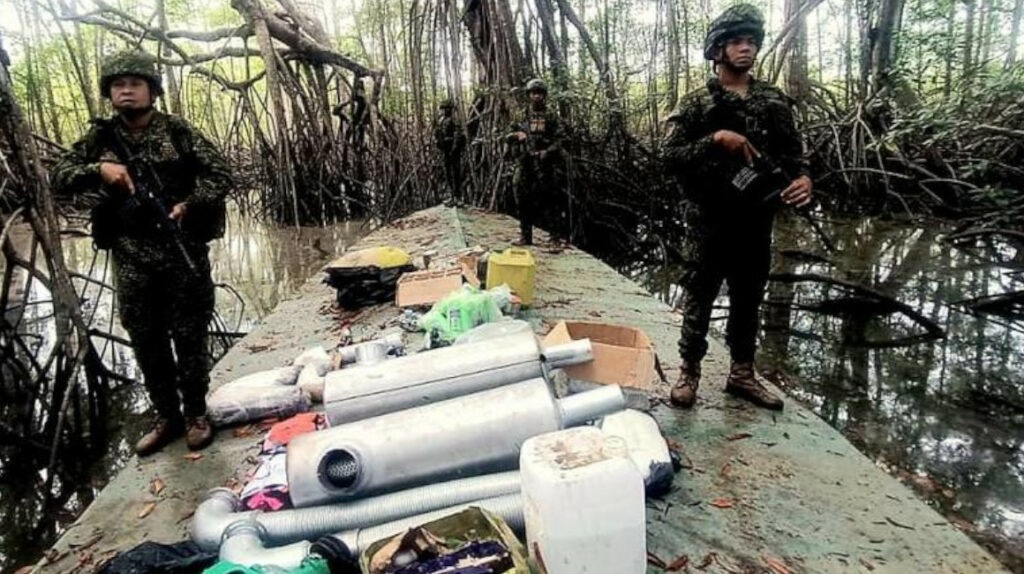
pixel 161 300
pixel 728 233
pixel 450 141
pixel 536 180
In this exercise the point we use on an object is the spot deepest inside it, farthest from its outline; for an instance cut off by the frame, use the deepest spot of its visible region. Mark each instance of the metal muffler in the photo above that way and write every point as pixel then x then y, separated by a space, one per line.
pixel 365 391
pixel 468 435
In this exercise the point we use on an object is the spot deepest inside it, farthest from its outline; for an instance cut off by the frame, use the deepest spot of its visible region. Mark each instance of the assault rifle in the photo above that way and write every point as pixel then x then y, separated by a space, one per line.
pixel 142 173
pixel 767 178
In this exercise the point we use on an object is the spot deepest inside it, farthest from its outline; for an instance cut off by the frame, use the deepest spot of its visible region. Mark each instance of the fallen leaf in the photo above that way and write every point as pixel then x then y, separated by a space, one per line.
pixel 777 566
pixel 898 524
pixel 194 456
pixel 707 560
pixel 725 469
pixel 722 503
pixel 738 436
pixel 867 564
pixel 24 569
pixel 241 432
pixel 156 486
pixel 53 555
pixel 88 542
pixel 678 564
pixel 147 509
pixel 653 560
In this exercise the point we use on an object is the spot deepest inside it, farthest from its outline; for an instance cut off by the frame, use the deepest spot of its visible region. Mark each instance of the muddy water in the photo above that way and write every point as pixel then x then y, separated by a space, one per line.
pixel 255 265
pixel 944 414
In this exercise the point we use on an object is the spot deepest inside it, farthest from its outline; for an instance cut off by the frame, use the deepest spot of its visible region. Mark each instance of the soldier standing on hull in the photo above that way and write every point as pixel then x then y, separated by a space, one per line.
pixel 732 145
pixel 450 140
pixel 163 285
pixel 536 181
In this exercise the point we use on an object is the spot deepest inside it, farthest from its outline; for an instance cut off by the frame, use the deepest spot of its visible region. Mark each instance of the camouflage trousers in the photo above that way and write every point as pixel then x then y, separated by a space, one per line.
pixel 738 255
pixel 453 176
pixel 166 309
pixel 539 192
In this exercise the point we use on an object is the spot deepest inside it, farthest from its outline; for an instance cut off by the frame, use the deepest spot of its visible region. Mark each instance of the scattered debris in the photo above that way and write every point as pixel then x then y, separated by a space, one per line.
pixel 156 486
pixel 193 456
pixel 243 431
pixel 88 542
pixel 147 509
pixel 775 565
pixel 738 436
pixel 898 525
pixel 653 560
pixel 867 564
pixel 708 560
pixel 679 563
pixel 722 503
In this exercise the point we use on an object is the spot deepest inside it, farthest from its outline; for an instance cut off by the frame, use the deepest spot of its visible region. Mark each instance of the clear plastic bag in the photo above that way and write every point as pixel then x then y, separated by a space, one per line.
pixel 230 405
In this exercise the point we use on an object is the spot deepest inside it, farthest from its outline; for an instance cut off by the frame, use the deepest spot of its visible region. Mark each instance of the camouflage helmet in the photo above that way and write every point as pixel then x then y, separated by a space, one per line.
pixel 536 85
pixel 130 63
pixel 737 20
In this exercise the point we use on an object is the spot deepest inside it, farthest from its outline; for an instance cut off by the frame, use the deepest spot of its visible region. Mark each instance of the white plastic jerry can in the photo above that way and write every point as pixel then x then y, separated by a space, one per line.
pixel 583 501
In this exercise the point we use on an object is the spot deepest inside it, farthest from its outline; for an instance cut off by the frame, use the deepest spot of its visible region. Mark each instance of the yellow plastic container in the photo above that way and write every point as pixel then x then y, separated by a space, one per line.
pixel 516 268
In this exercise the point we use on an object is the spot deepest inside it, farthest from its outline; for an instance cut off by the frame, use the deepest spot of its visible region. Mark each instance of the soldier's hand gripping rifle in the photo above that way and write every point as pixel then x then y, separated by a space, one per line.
pixel 529 149
pixel 142 175
pixel 767 178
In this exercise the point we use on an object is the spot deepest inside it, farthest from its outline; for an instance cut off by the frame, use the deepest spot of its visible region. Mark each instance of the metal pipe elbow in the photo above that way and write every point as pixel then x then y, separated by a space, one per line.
pixel 212 517
pixel 243 545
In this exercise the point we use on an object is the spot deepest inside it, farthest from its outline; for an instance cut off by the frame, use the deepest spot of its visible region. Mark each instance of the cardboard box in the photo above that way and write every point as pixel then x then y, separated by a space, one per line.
pixel 622 355
pixel 474 523
pixel 427 287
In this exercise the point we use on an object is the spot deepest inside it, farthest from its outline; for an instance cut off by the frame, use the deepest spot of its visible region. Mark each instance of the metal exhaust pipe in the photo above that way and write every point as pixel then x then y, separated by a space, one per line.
pixel 470 435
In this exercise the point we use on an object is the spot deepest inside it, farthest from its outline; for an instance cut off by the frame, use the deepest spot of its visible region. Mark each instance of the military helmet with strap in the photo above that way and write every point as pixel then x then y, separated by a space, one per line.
pixel 738 20
pixel 130 63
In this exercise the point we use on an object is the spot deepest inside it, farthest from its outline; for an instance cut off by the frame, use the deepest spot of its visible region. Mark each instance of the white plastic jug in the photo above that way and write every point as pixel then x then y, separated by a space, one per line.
pixel 583 500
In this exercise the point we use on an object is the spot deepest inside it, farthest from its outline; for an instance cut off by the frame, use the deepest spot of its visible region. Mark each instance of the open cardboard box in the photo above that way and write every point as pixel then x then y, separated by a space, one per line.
pixel 622 355
pixel 427 287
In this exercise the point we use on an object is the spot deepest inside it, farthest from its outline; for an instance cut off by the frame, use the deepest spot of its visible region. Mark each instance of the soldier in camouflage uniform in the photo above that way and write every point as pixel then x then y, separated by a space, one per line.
pixel 162 300
pixel 736 122
pixel 539 136
pixel 450 140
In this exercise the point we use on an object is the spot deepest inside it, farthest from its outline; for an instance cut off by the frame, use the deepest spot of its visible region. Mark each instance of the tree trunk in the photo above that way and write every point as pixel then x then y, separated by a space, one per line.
pixel 674 51
pixel 968 48
pixel 492 35
pixel 545 11
pixel 797 82
pixel 884 49
pixel 172 92
pixel 947 79
pixel 1011 53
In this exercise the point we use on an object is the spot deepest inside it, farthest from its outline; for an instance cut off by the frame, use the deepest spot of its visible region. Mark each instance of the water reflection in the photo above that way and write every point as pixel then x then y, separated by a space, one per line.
pixel 947 415
pixel 255 264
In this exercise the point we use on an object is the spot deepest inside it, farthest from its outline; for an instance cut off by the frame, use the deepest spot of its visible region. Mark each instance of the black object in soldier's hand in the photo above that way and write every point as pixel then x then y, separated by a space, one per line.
pixel 762 179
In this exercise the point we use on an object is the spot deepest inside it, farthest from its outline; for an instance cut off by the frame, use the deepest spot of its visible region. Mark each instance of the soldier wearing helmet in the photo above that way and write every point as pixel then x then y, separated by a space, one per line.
pixel 165 304
pixel 735 151
pixel 450 138
pixel 539 135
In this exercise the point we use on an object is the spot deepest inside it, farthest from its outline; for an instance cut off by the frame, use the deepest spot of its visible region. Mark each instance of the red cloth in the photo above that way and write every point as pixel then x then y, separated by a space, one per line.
pixel 283 432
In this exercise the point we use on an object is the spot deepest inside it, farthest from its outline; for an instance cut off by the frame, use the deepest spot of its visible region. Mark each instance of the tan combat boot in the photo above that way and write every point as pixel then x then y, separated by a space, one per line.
pixel 198 432
pixel 163 433
pixel 684 393
pixel 743 384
